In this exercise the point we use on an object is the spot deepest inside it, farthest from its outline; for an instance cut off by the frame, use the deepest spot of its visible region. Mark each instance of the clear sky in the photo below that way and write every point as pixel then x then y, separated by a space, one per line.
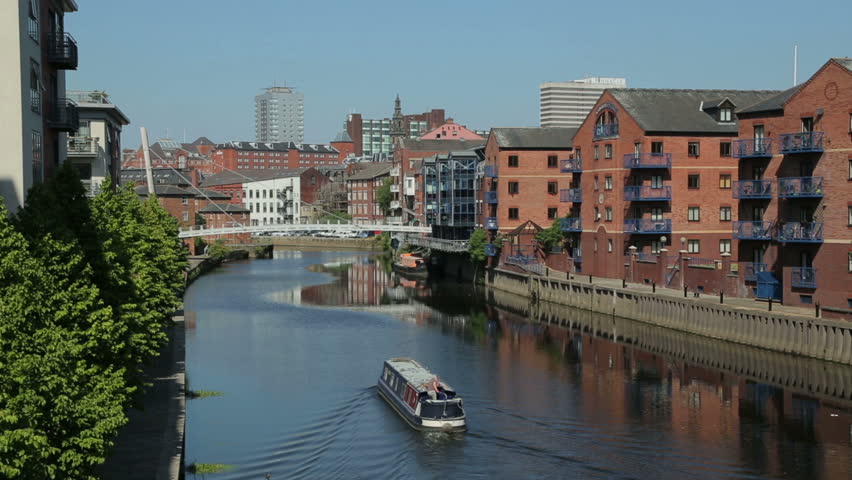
pixel 195 65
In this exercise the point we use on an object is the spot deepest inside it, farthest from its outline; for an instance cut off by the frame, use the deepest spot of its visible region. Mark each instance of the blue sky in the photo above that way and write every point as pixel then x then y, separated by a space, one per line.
pixel 195 65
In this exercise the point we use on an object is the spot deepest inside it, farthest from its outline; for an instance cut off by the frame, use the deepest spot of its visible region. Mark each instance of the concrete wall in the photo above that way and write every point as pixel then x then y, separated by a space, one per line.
pixel 809 337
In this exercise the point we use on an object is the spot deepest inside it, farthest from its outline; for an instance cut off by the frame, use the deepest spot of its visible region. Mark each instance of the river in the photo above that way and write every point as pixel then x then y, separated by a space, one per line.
pixel 296 343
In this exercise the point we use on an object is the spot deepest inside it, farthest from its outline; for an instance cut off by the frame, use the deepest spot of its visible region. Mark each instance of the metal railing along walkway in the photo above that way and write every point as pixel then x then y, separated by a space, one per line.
pixel 203 231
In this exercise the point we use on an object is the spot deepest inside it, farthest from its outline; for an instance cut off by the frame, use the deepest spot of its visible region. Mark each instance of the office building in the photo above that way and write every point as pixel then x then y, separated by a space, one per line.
pixel 566 104
pixel 279 115
pixel 372 136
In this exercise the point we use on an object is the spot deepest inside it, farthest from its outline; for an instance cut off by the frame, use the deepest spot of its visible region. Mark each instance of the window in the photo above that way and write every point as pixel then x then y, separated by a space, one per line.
pixel 513 188
pixel 513 213
pixel 578 153
pixel 552 162
pixel 693 181
pixel 656 246
pixel 595 184
pixel 657 148
pixel 725 149
pixel 597 214
pixel 725 115
pixel 185 216
pixel 850 169
pixel 552 188
pixel 724 214
pixel 608 182
pixel 725 181
pixel 850 262
pixel 725 246
pixel 850 216
pixel 513 161
pixel 33 24
pixel 656 181
pixel 807 124
pixel 656 214
pixel 609 245
pixel 37 158
pixel 694 214
pixel 693 246
pixel 637 148
pixel 608 151
pixel 35 88
pixel 597 153
pixel 608 214
pixel 184 201
pixel 692 149
pixel 552 213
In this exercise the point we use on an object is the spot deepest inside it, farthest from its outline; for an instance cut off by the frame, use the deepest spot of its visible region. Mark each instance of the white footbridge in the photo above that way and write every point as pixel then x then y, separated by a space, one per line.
pixel 204 231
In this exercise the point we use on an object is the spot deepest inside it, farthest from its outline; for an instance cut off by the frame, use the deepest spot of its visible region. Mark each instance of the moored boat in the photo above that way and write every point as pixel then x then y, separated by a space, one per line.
pixel 409 388
pixel 411 265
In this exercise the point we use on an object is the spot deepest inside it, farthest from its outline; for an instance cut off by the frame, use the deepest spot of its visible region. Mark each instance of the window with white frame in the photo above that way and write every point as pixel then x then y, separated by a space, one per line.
pixel 694 214
pixel 693 246
pixel 724 245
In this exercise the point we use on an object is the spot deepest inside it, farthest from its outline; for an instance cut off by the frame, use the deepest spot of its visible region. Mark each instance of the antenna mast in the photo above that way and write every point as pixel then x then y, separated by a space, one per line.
pixel 795 65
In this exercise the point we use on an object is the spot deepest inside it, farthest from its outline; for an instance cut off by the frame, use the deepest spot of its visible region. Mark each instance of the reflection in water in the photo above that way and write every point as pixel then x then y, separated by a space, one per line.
pixel 549 392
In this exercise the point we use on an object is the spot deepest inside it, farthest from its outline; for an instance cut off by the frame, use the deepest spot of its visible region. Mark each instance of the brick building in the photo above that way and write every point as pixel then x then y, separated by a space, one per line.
pixel 522 179
pixel 277 156
pixel 653 169
pixel 361 189
pixel 182 202
pixel 451 131
pixel 168 153
pixel 371 136
pixel 793 200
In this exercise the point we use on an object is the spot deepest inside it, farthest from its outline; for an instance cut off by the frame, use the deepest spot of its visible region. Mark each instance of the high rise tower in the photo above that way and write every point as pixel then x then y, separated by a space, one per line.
pixel 279 115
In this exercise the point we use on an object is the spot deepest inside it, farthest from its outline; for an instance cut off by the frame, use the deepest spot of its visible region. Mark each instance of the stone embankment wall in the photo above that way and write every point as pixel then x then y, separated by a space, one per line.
pixel 810 337
pixel 320 242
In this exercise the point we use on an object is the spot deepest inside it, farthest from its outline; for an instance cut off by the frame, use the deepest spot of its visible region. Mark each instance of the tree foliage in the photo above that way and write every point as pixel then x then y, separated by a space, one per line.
pixel 552 236
pixel 384 195
pixel 476 245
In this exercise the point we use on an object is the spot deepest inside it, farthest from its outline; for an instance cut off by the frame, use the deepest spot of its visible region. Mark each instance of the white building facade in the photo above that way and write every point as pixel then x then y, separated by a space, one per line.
pixel 275 201
pixel 279 114
pixel 566 104
pixel 95 148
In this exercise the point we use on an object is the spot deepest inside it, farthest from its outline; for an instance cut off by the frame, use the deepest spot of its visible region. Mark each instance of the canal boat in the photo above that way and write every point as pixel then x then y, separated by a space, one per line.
pixel 408 387
pixel 411 265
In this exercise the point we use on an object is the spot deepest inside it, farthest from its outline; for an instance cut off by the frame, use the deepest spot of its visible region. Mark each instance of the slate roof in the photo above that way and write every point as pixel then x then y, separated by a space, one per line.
pixel 845 62
pixel 278 147
pixel 164 191
pixel 246 176
pixel 228 207
pixel 161 176
pixel 555 138
pixel 203 141
pixel 775 102
pixel 342 137
pixel 211 194
pixel 417 145
pixel 372 171
pixel 680 111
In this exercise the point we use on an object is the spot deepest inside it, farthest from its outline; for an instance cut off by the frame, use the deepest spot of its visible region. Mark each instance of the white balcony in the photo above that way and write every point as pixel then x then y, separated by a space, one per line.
pixel 395 188
pixel 394 172
pixel 82 146
pixel 395 205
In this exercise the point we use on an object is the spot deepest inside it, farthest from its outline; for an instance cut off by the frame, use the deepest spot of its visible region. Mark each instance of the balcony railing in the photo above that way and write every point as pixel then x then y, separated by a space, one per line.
pixel 394 172
pixel 606 130
pixel 92 188
pixel 82 146
pixel 571 165
pixel 395 205
pixel 752 230
pixel 648 160
pixel 394 188
pixel 62 115
pixel 802 142
pixel 751 269
pixel 62 51
pixel 646 257
pixel 753 148
pixel 571 224
pixel 647 225
pixel 491 197
pixel 491 171
pixel 800 232
pixel 803 277
pixel 521 260
pixel 753 189
pixel 571 195
pixel 490 250
pixel 800 187
pixel 491 223
pixel 647 193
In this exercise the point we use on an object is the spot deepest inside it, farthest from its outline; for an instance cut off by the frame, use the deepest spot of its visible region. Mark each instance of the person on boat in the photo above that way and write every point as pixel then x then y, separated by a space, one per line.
pixel 436 387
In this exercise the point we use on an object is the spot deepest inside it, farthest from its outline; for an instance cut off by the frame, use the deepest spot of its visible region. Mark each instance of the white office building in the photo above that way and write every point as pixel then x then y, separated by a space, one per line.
pixel 566 104
pixel 274 201
pixel 95 148
pixel 279 114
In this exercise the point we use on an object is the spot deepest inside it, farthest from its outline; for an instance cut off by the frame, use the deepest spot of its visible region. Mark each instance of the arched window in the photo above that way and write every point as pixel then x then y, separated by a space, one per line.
pixel 606 125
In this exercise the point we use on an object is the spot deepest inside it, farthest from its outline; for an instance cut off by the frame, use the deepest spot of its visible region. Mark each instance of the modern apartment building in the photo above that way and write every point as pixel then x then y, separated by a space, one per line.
pixel 95 149
pixel 35 51
pixel 279 115
pixel 566 104
pixel 372 136
pixel 449 191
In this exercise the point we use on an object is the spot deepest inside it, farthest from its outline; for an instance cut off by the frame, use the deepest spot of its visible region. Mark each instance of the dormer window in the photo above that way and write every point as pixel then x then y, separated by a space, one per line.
pixel 725 114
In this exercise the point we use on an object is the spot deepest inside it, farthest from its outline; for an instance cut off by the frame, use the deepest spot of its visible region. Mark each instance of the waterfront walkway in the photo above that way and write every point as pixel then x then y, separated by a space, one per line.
pixel 150 446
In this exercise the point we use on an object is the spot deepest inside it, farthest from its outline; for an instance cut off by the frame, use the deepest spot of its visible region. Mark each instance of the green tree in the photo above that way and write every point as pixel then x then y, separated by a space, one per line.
pixel 552 236
pixel 476 249
pixel 384 196
pixel 218 250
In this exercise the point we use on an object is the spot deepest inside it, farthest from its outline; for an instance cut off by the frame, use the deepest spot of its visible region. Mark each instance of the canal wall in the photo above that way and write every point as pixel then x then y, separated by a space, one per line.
pixel 325 243
pixel 809 337
pixel 809 376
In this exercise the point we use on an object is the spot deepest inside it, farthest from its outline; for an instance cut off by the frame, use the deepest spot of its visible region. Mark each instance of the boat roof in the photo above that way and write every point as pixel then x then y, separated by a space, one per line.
pixel 417 375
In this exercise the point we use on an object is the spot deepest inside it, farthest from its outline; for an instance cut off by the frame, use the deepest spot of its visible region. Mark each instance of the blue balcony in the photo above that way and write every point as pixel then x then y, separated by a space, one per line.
pixel 571 165
pixel 647 226
pixel 491 197
pixel 751 269
pixel 491 223
pixel 571 195
pixel 803 277
pixel 753 189
pixel 800 187
pixel 491 171
pixel 753 148
pixel 571 224
pixel 648 160
pixel 490 250
pixel 802 142
pixel 647 193
pixel 752 230
pixel 522 260
pixel 800 232
pixel 606 130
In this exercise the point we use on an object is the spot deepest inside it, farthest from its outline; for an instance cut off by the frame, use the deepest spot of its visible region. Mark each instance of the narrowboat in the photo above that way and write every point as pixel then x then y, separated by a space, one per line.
pixel 411 265
pixel 408 387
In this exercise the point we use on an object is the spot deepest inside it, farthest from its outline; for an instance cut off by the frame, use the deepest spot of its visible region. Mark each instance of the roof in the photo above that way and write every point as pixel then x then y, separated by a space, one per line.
pixel 164 191
pixel 203 141
pixel 415 373
pixel 534 137
pixel 247 176
pixel 682 111
pixel 342 137
pixel 227 207
pixel 775 102
pixel 371 171
pixel 845 62
pixel 520 228
pixel 161 176
pixel 278 147
pixel 211 194
pixel 418 145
